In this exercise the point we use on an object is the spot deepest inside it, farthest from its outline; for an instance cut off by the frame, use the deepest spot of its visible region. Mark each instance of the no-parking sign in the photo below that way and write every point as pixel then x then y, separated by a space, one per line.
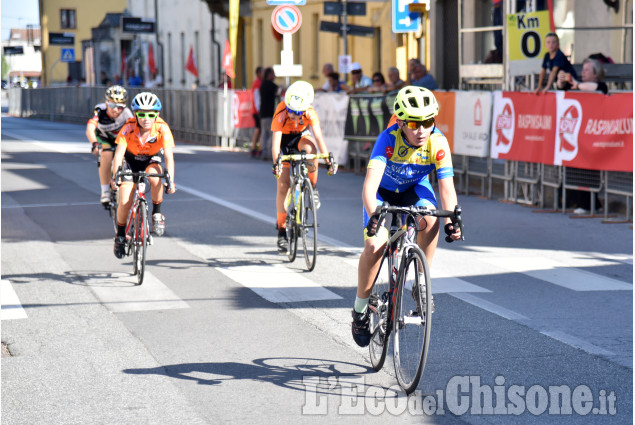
pixel 286 19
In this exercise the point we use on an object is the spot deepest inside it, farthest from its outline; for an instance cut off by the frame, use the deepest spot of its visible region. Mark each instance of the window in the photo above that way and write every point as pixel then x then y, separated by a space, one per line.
pixel 68 18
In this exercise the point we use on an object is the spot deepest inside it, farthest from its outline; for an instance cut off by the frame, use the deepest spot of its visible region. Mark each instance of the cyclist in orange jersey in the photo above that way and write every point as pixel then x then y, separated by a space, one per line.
pixel 290 127
pixel 143 142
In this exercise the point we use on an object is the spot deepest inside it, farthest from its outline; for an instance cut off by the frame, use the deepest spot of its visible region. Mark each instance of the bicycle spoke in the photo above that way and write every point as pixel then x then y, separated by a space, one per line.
pixel 378 304
pixel 412 321
pixel 309 226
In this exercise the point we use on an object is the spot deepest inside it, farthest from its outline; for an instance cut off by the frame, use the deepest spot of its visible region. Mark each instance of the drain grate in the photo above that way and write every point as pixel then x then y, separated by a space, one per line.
pixel 5 351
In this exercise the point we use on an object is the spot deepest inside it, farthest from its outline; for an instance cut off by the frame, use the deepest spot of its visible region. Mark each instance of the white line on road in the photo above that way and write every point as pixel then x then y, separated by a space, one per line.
pixel 277 283
pixel 560 274
pixel 253 214
pixel 10 303
pixel 119 293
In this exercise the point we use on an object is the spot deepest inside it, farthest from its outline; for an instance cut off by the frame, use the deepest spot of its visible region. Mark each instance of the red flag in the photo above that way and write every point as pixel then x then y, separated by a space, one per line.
pixel 228 61
pixel 123 63
pixel 191 63
pixel 151 63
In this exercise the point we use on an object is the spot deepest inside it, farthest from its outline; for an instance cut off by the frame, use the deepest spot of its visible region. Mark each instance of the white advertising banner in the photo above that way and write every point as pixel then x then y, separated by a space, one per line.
pixel 473 115
pixel 331 109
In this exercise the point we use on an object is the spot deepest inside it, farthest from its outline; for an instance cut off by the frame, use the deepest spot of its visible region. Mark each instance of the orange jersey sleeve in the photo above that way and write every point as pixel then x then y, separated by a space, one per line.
pixel 282 122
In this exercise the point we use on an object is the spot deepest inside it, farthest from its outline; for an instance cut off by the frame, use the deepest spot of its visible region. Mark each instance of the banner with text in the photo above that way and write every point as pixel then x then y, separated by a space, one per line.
pixel 242 113
pixel 573 129
pixel 473 112
pixel 331 110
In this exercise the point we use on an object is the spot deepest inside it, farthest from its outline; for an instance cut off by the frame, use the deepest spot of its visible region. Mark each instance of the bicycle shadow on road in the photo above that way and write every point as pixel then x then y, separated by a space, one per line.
pixel 302 374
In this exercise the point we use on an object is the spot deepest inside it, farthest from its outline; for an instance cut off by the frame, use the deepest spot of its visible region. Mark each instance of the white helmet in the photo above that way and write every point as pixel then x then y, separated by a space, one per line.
pixel 146 101
pixel 299 96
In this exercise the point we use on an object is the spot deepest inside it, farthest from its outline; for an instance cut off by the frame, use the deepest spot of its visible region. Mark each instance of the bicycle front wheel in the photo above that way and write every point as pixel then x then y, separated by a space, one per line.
pixel 412 321
pixel 292 233
pixel 141 241
pixel 113 208
pixel 309 226
pixel 379 306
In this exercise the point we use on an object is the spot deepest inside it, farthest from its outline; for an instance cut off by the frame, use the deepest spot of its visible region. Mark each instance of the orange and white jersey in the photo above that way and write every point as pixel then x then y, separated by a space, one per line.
pixel 160 137
pixel 282 122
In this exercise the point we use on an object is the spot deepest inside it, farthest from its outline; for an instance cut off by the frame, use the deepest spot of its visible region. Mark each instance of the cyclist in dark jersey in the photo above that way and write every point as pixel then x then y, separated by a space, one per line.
pixel 102 129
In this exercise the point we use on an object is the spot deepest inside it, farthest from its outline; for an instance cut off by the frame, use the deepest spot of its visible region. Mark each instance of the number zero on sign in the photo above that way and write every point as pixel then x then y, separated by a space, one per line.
pixel 286 19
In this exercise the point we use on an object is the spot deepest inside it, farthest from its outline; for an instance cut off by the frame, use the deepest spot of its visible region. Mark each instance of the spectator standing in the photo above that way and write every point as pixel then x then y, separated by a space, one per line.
pixel 553 62
pixel 422 78
pixel 268 94
pixel 255 91
pixel 394 82
pixel 104 80
pixel 592 76
pixel 335 85
pixel 154 81
pixel 359 81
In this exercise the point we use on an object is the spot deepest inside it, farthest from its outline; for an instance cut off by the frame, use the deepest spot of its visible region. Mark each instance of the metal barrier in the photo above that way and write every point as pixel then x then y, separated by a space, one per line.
pixel 618 183
pixel 458 164
pixel 199 116
pixel 583 180
pixel 551 176
pixel 476 167
pixel 525 182
pixel 501 170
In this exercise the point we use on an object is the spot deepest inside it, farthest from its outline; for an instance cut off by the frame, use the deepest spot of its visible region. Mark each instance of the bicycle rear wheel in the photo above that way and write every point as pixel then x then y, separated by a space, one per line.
pixel 412 321
pixel 292 233
pixel 379 306
pixel 113 208
pixel 140 242
pixel 309 226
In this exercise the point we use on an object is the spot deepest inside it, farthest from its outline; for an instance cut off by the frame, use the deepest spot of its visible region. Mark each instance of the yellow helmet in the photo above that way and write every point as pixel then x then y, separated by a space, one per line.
pixel 415 104
pixel 116 94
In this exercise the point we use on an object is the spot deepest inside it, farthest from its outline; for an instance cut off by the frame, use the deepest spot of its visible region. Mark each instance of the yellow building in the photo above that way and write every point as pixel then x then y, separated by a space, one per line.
pixel 312 48
pixel 76 17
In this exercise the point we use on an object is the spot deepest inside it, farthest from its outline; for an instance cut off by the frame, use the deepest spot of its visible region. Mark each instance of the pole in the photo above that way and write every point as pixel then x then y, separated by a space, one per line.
pixel 344 25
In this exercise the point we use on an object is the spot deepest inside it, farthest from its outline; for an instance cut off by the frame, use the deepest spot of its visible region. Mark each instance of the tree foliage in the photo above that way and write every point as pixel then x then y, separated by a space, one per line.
pixel 5 68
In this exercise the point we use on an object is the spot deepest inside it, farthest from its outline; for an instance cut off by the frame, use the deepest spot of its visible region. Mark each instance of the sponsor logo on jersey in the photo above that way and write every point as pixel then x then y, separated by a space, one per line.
pixel 389 152
pixel 440 155
pixel 403 150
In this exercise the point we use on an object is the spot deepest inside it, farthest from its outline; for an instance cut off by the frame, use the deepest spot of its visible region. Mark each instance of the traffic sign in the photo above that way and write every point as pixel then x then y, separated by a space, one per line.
pixel 353 9
pixel 286 19
pixel 62 38
pixel 13 50
pixel 350 29
pixel 282 2
pixel 137 25
pixel 68 55
pixel 402 19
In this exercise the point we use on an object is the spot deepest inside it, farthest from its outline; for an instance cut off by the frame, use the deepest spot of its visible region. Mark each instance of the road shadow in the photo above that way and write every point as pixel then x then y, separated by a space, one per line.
pixel 322 376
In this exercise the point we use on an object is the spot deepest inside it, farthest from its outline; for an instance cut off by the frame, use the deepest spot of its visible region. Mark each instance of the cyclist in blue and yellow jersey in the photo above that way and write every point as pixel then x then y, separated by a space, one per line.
pixel 290 127
pixel 102 129
pixel 144 142
pixel 403 157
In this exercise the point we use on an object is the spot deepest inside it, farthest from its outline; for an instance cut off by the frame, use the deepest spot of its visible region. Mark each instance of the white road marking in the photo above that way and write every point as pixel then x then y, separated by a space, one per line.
pixel 277 283
pixel 253 214
pixel 10 308
pixel 559 273
pixel 576 342
pixel 491 307
pixel 119 293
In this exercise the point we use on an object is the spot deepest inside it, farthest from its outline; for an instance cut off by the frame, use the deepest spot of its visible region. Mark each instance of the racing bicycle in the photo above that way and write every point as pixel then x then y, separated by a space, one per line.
pixel 301 218
pixel 401 297
pixel 138 235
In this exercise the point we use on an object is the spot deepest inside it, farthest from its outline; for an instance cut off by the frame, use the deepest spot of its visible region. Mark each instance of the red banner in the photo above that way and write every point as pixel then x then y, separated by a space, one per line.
pixel 595 132
pixel 445 119
pixel 524 127
pixel 242 109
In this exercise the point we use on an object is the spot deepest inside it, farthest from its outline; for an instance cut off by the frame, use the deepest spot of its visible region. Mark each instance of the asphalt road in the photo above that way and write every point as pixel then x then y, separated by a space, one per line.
pixel 533 320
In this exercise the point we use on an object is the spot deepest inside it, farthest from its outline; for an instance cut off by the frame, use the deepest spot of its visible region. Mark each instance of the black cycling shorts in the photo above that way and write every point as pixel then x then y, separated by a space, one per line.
pixel 136 163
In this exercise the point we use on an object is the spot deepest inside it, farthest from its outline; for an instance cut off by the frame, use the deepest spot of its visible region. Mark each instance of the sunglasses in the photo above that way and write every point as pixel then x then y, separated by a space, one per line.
pixel 356 72
pixel 151 115
pixel 112 105
pixel 291 111
pixel 414 125
pixel 377 81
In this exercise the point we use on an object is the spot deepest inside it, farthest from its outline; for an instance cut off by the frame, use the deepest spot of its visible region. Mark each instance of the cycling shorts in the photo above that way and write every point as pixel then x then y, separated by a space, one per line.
pixel 136 163
pixel 416 196
pixel 106 145
pixel 289 144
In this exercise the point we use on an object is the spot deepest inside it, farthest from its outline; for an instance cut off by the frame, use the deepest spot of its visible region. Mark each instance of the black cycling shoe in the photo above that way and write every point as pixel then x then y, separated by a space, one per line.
pixel 283 242
pixel 361 328
pixel 120 246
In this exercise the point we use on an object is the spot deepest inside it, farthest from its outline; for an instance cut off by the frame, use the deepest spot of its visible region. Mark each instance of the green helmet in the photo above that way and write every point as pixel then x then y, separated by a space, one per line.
pixel 415 103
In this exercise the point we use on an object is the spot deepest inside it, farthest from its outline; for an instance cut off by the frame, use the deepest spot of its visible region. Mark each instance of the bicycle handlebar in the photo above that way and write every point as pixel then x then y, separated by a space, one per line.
pixel 165 175
pixel 303 156
pixel 455 215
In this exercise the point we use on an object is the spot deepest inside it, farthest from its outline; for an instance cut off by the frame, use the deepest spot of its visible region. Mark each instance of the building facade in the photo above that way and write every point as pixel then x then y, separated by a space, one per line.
pixel 25 68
